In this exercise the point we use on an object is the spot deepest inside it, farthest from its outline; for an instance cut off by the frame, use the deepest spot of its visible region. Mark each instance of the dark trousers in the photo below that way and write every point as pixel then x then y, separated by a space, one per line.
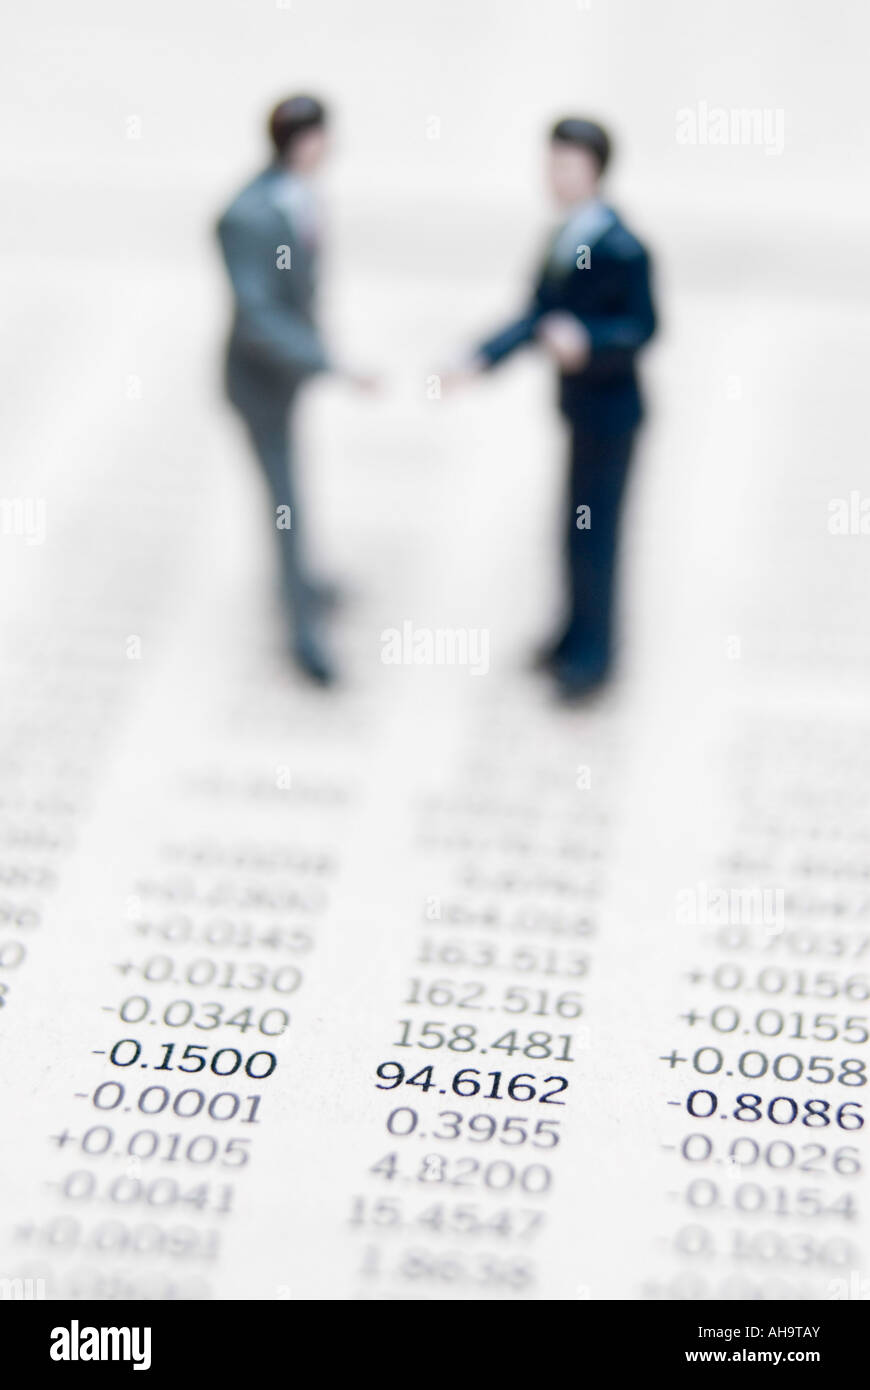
pixel 267 410
pixel 599 467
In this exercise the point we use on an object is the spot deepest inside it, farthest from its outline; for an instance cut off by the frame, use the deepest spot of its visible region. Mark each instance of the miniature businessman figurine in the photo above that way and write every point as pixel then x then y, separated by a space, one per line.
pixel 591 311
pixel 270 238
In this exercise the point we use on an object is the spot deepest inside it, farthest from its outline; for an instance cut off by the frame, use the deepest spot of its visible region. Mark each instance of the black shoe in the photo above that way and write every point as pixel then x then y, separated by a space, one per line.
pixel 312 662
pixel 546 658
pixel 574 681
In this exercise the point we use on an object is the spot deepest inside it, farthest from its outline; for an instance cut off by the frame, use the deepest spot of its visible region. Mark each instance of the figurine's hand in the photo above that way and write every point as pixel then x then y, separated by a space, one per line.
pixel 367 382
pixel 461 374
pixel 566 340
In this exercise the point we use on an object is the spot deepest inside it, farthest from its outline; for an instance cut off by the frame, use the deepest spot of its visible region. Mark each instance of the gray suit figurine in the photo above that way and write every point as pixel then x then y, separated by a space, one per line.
pixel 270 237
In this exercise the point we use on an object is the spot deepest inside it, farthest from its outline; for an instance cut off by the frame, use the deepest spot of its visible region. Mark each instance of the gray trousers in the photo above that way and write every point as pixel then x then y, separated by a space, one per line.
pixel 267 407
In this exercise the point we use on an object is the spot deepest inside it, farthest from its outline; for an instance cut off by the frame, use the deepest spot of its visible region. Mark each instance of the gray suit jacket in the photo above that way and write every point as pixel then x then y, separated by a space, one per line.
pixel 274 343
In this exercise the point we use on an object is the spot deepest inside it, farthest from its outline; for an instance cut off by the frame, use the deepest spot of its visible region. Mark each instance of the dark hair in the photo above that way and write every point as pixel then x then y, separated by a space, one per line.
pixel 291 117
pixel 585 135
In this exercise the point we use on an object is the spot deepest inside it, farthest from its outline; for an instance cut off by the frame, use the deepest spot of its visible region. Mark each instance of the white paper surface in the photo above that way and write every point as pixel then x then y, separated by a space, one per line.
pixel 194 844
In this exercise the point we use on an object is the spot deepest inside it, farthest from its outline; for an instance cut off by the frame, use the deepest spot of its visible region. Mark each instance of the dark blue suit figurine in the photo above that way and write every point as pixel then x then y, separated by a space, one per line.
pixel 592 311
pixel 270 237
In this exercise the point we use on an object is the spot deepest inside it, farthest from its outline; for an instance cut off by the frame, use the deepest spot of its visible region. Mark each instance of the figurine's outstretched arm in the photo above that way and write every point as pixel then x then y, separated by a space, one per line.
pixel 516 335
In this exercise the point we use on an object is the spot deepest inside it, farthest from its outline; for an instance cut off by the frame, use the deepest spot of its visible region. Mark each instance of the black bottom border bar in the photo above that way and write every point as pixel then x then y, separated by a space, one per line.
pixel 644 1339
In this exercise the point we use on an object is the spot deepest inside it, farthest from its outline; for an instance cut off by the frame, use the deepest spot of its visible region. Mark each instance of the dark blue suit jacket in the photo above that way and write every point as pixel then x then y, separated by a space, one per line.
pixel 612 299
